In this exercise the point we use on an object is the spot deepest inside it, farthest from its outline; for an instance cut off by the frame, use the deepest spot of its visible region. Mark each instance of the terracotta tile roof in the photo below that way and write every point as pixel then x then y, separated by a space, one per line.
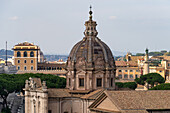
pixel 124 63
pixel 132 63
pixel 120 63
pixel 93 95
pixel 54 92
pixel 134 111
pixel 135 58
pixel 140 100
pixel 104 110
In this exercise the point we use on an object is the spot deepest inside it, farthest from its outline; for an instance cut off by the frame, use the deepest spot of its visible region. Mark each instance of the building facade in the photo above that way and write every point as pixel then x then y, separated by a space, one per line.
pixel 27 56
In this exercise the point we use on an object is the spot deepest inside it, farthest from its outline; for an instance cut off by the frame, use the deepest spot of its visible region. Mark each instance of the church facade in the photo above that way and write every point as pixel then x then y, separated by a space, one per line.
pixel 90 70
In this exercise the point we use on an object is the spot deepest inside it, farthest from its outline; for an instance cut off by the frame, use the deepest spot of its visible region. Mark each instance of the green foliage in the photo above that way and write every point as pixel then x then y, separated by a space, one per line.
pixel 16 82
pixel 165 86
pixel 140 54
pixel 6 110
pixel 131 85
pixel 151 78
pixel 156 54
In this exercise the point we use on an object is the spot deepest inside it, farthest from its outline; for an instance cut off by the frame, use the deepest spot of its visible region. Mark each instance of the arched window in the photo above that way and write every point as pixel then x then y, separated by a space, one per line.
pixel 125 76
pixel 18 54
pixel 131 76
pixel 120 76
pixel 25 68
pixel 136 76
pixel 18 67
pixel 32 54
pixel 25 54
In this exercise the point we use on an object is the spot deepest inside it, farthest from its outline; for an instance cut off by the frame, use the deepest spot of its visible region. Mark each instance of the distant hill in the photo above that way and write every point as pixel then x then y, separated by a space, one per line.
pixel 53 57
pixel 56 57
pixel 155 53
pixel 3 53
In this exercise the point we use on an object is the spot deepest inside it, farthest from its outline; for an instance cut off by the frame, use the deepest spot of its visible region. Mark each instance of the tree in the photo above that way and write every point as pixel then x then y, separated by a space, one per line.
pixel 151 78
pixel 16 82
pixel 165 86
pixel 130 85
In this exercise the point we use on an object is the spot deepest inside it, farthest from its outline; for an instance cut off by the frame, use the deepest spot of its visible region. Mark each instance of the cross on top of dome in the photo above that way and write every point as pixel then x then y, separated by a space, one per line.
pixel 90 12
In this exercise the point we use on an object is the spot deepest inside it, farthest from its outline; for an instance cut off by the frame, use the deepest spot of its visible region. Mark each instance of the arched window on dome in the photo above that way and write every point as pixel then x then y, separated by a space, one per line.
pixel 87 33
pixel 25 54
pixel 18 54
pixel 91 28
pixel 31 54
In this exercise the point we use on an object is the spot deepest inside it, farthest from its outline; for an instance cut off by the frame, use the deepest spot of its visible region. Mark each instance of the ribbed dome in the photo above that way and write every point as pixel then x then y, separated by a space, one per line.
pixel 90 64
pixel 91 51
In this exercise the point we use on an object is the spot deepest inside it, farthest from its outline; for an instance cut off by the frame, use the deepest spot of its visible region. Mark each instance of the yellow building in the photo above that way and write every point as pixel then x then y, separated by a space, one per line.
pixel 127 71
pixel 26 56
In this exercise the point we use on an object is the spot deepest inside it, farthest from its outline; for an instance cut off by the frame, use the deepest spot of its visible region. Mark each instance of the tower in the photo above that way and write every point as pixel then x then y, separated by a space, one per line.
pixel 27 56
pixel 90 64
pixel 146 63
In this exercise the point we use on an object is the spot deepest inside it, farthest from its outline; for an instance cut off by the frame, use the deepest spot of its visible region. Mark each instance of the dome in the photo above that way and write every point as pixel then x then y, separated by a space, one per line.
pixel 91 52
pixel 90 64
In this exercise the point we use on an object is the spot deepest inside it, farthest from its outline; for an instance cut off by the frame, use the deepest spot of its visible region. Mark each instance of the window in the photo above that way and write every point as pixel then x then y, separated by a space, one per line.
pixel 25 54
pixel 18 67
pixel 31 54
pixel 120 76
pixel 111 81
pixel 25 68
pixel 168 64
pixel 32 61
pixel 81 82
pixel 160 71
pixel 131 76
pixel 69 81
pixel 32 68
pixel 65 112
pixel 49 111
pixel 137 70
pixel 125 76
pixel 99 82
pixel 25 61
pixel 120 70
pixel 136 76
pixel 131 70
pixel 125 70
pixel 18 54
pixel 18 61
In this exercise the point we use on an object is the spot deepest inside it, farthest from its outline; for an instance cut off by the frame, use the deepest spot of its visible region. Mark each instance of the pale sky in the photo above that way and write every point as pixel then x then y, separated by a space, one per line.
pixel 56 25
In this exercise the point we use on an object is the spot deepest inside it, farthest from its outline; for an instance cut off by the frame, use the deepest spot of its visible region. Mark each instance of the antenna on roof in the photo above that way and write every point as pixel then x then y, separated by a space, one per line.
pixel 6 54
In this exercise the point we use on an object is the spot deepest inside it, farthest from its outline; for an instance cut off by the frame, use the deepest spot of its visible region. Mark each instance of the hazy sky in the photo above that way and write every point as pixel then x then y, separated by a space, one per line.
pixel 56 25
